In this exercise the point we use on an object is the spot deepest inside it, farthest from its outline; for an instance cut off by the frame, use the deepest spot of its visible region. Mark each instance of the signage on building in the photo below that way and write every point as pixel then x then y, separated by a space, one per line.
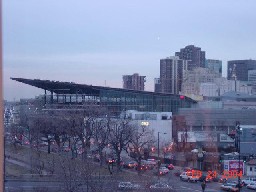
pixel 197 136
pixel 233 165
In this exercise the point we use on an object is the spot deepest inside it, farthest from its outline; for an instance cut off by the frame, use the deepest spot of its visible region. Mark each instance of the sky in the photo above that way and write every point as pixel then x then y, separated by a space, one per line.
pixel 97 42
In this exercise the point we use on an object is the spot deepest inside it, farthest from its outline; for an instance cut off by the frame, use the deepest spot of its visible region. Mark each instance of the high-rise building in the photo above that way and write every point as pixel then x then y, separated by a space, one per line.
pixel 157 85
pixel 171 74
pixel 134 82
pixel 194 54
pixel 192 80
pixel 214 65
pixel 238 69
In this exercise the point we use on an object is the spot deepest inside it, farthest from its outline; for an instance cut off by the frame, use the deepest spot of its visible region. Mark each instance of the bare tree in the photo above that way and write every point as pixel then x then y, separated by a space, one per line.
pixel 75 173
pixel 101 132
pixel 119 137
pixel 142 139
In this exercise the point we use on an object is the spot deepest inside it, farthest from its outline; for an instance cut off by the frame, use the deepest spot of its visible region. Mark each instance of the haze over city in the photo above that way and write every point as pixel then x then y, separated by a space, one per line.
pixel 97 42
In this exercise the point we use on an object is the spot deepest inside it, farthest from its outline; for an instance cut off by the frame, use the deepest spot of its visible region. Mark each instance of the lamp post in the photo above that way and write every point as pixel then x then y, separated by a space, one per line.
pixel 238 131
pixel 158 150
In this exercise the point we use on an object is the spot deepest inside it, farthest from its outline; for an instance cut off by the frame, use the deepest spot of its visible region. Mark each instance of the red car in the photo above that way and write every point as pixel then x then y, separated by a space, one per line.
pixel 170 167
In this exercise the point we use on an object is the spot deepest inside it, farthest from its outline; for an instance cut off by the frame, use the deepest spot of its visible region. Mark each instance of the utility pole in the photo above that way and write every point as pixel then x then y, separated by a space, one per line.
pixel 238 131
pixel 158 153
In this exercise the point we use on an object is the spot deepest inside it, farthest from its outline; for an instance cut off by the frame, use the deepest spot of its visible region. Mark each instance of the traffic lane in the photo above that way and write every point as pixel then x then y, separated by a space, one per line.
pixel 179 185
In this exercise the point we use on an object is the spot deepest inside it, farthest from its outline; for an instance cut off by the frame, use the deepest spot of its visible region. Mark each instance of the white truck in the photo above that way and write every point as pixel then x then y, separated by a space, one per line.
pixel 187 176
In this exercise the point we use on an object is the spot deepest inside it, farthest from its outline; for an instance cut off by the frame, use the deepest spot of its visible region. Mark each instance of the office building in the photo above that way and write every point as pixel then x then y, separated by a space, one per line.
pixel 134 82
pixel 214 65
pixel 192 80
pixel 194 54
pixel 171 74
pixel 157 85
pixel 238 69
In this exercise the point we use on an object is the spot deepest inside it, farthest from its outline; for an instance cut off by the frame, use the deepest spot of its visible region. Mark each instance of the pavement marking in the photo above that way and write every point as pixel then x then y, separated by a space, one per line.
pixel 189 188
pixel 206 190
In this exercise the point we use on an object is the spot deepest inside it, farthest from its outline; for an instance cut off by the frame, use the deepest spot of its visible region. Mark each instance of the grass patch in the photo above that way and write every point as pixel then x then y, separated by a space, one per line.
pixel 13 170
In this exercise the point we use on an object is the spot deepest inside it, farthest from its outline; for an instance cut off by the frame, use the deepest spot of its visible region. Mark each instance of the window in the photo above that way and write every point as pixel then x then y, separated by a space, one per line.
pixel 164 117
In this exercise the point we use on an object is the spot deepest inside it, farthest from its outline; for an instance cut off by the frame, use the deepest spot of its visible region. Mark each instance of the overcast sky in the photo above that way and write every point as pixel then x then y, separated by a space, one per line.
pixel 96 42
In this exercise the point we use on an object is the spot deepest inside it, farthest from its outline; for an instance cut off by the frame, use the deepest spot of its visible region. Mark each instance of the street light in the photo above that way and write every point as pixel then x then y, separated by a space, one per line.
pixel 238 131
pixel 158 150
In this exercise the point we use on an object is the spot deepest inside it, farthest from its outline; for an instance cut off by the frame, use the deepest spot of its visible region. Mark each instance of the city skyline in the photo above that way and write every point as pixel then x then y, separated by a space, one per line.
pixel 96 43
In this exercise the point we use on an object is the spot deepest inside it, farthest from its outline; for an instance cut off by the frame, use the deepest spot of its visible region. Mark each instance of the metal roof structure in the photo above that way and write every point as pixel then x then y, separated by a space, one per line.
pixel 74 88
pixel 116 98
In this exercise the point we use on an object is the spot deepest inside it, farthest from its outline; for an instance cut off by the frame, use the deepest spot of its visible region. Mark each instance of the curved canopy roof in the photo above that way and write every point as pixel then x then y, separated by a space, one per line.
pixel 73 88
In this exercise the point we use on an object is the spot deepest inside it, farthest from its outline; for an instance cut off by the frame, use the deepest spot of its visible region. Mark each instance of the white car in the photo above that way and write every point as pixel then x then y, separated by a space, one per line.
pixel 187 176
pixel 229 187
pixel 248 181
pixel 251 186
pixel 152 161
pixel 128 186
pixel 164 170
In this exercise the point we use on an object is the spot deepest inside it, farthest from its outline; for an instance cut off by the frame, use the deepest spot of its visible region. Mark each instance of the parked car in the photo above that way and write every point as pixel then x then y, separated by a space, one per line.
pixel 160 186
pixel 152 161
pixel 128 186
pixel 251 186
pixel 148 164
pixel 229 187
pixel 248 181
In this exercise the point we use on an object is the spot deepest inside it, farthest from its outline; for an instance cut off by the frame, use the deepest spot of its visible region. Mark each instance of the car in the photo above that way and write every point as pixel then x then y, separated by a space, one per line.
pixel 184 176
pixel 160 186
pixel 148 164
pixel 187 176
pixel 229 187
pixel 169 166
pixel 248 180
pixel 164 170
pixel 152 161
pixel 251 186
pixel 161 171
pixel 142 168
pixel 130 164
pixel 128 186
pixel 110 160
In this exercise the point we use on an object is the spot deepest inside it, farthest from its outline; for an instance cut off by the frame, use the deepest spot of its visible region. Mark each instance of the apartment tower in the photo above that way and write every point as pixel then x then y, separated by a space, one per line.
pixel 194 54
pixel 172 70
pixel 134 82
